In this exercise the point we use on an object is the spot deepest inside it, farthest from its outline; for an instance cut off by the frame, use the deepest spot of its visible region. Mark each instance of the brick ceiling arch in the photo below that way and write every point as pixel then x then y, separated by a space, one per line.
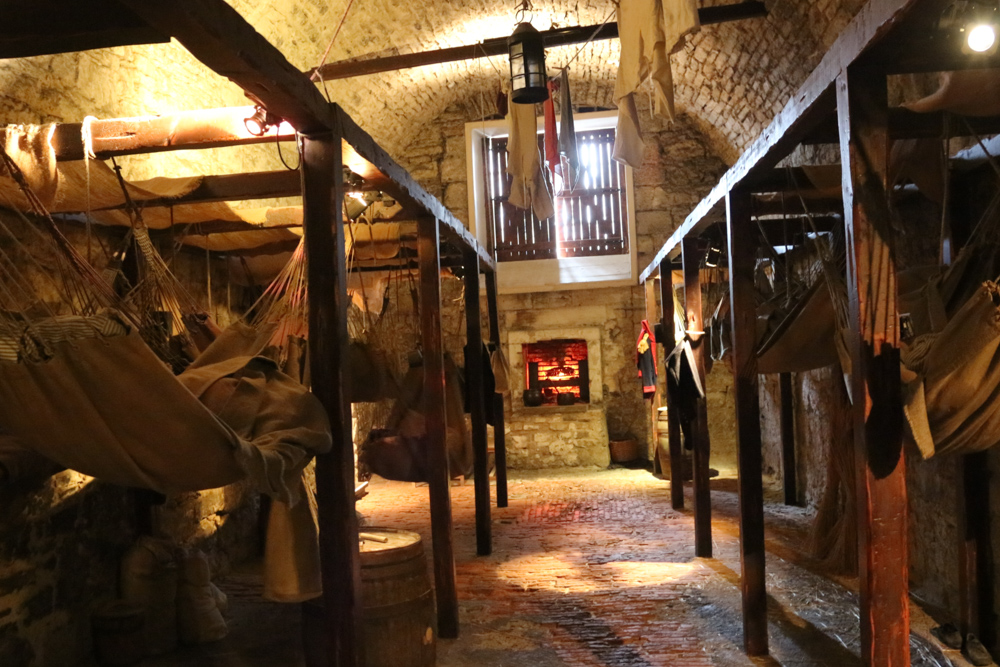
pixel 730 78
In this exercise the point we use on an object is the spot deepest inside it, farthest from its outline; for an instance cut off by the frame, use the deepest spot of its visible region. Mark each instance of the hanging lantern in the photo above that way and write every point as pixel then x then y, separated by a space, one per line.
pixel 527 65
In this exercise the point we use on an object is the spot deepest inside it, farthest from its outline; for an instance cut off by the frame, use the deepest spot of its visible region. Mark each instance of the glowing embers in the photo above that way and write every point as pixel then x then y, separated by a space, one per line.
pixel 558 370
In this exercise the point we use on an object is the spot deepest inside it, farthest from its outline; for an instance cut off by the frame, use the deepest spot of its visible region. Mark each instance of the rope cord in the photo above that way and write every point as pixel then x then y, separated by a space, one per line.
pixel 86 273
pixel 589 40
pixel 326 53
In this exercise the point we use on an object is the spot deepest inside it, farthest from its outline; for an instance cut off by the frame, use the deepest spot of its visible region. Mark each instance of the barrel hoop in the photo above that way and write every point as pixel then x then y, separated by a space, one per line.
pixel 398 608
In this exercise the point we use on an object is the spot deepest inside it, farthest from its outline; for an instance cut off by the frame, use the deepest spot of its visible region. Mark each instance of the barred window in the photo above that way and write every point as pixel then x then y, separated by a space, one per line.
pixel 590 220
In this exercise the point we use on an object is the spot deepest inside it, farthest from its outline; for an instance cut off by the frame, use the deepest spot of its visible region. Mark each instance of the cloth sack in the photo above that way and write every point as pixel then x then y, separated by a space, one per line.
pixel 200 603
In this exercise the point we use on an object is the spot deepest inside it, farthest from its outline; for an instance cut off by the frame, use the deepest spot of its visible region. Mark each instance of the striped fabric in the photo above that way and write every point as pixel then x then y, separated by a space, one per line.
pixel 36 337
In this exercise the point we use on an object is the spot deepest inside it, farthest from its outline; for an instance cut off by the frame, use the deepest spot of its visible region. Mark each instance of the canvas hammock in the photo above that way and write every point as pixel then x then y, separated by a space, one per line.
pixel 399 451
pixel 802 339
pixel 85 391
pixel 953 406
pixel 952 397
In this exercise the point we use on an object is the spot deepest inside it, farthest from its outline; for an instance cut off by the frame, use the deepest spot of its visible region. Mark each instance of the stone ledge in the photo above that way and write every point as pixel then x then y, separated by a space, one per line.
pixel 542 410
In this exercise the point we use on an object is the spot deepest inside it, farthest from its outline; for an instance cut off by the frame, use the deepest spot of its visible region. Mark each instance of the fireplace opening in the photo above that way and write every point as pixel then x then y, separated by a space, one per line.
pixel 558 369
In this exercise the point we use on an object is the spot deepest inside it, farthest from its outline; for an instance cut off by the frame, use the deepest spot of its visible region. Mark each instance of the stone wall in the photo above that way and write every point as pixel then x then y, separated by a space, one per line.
pixel 814 397
pixel 678 170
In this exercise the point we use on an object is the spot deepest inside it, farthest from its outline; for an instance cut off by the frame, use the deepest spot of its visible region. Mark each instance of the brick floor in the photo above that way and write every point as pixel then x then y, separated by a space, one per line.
pixel 592 569
pixel 595 569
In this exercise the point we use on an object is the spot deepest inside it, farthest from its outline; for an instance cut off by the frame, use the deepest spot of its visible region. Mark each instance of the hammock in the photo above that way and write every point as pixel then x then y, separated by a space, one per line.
pixel 399 451
pixel 282 312
pixel 803 339
pixel 85 391
pixel 953 406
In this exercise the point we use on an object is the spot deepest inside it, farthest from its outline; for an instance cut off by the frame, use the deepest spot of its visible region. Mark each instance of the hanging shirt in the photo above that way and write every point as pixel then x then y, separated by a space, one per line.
pixel 569 157
pixel 527 188
pixel 551 140
pixel 645 360
pixel 649 30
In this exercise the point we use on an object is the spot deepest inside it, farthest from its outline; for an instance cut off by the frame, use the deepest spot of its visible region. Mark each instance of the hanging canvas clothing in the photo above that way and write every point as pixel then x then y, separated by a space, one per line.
pixel 568 154
pixel 645 360
pixel 489 385
pixel 650 30
pixel 527 188
pixel 551 140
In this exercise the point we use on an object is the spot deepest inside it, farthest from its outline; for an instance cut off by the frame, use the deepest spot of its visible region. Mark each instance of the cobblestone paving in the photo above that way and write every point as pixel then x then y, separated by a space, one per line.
pixel 594 569
pixel 591 569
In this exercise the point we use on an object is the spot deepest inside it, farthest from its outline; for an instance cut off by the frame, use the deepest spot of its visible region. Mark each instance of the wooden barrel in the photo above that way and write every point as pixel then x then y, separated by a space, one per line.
pixel 398 616
pixel 118 634
pixel 663 441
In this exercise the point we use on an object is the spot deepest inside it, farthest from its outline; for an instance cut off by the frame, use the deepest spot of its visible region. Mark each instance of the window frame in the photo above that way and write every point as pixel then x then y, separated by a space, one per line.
pixel 548 274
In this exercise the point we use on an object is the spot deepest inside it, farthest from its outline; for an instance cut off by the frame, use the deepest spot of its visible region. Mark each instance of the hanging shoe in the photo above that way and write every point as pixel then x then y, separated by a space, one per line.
pixel 948 635
pixel 975 652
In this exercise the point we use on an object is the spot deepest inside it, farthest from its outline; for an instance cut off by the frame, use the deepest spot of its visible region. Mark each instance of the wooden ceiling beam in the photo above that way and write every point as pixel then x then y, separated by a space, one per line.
pixel 807 108
pixel 230 187
pixel 208 128
pixel 906 124
pixel 45 27
pixel 219 37
pixel 497 46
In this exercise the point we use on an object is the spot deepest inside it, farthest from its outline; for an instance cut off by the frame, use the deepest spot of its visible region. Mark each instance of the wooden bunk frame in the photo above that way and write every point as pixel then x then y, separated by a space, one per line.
pixel 328 139
pixel 843 101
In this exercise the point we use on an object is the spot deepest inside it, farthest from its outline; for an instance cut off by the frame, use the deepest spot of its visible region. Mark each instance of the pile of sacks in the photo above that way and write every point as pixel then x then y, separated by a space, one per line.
pixel 174 588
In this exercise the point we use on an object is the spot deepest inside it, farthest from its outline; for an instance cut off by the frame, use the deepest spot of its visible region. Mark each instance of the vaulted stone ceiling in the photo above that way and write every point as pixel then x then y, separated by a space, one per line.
pixel 731 79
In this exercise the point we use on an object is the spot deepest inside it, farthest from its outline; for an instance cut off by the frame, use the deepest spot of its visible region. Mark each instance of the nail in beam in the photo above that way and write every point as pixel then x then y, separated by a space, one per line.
pixel 673 419
pixel 322 200
pixel 788 481
pixel 862 115
pixel 439 479
pixel 477 407
pixel 691 258
pixel 499 434
pixel 743 310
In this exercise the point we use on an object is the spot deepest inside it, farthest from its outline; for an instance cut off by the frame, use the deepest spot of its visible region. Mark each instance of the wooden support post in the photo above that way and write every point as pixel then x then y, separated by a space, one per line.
pixel 691 257
pixel 499 434
pixel 976 569
pixel 862 114
pixel 743 309
pixel 439 478
pixel 788 477
pixel 322 200
pixel 673 420
pixel 477 406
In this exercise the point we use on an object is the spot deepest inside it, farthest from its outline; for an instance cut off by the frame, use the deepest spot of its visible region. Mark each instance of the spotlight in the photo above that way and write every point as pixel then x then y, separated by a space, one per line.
pixel 975 23
pixel 981 38
pixel 261 121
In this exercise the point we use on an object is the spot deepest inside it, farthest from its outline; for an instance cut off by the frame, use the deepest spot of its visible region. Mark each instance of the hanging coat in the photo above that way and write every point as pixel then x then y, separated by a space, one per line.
pixel 551 139
pixel 645 360
pixel 489 385
pixel 650 30
pixel 527 188
pixel 568 154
